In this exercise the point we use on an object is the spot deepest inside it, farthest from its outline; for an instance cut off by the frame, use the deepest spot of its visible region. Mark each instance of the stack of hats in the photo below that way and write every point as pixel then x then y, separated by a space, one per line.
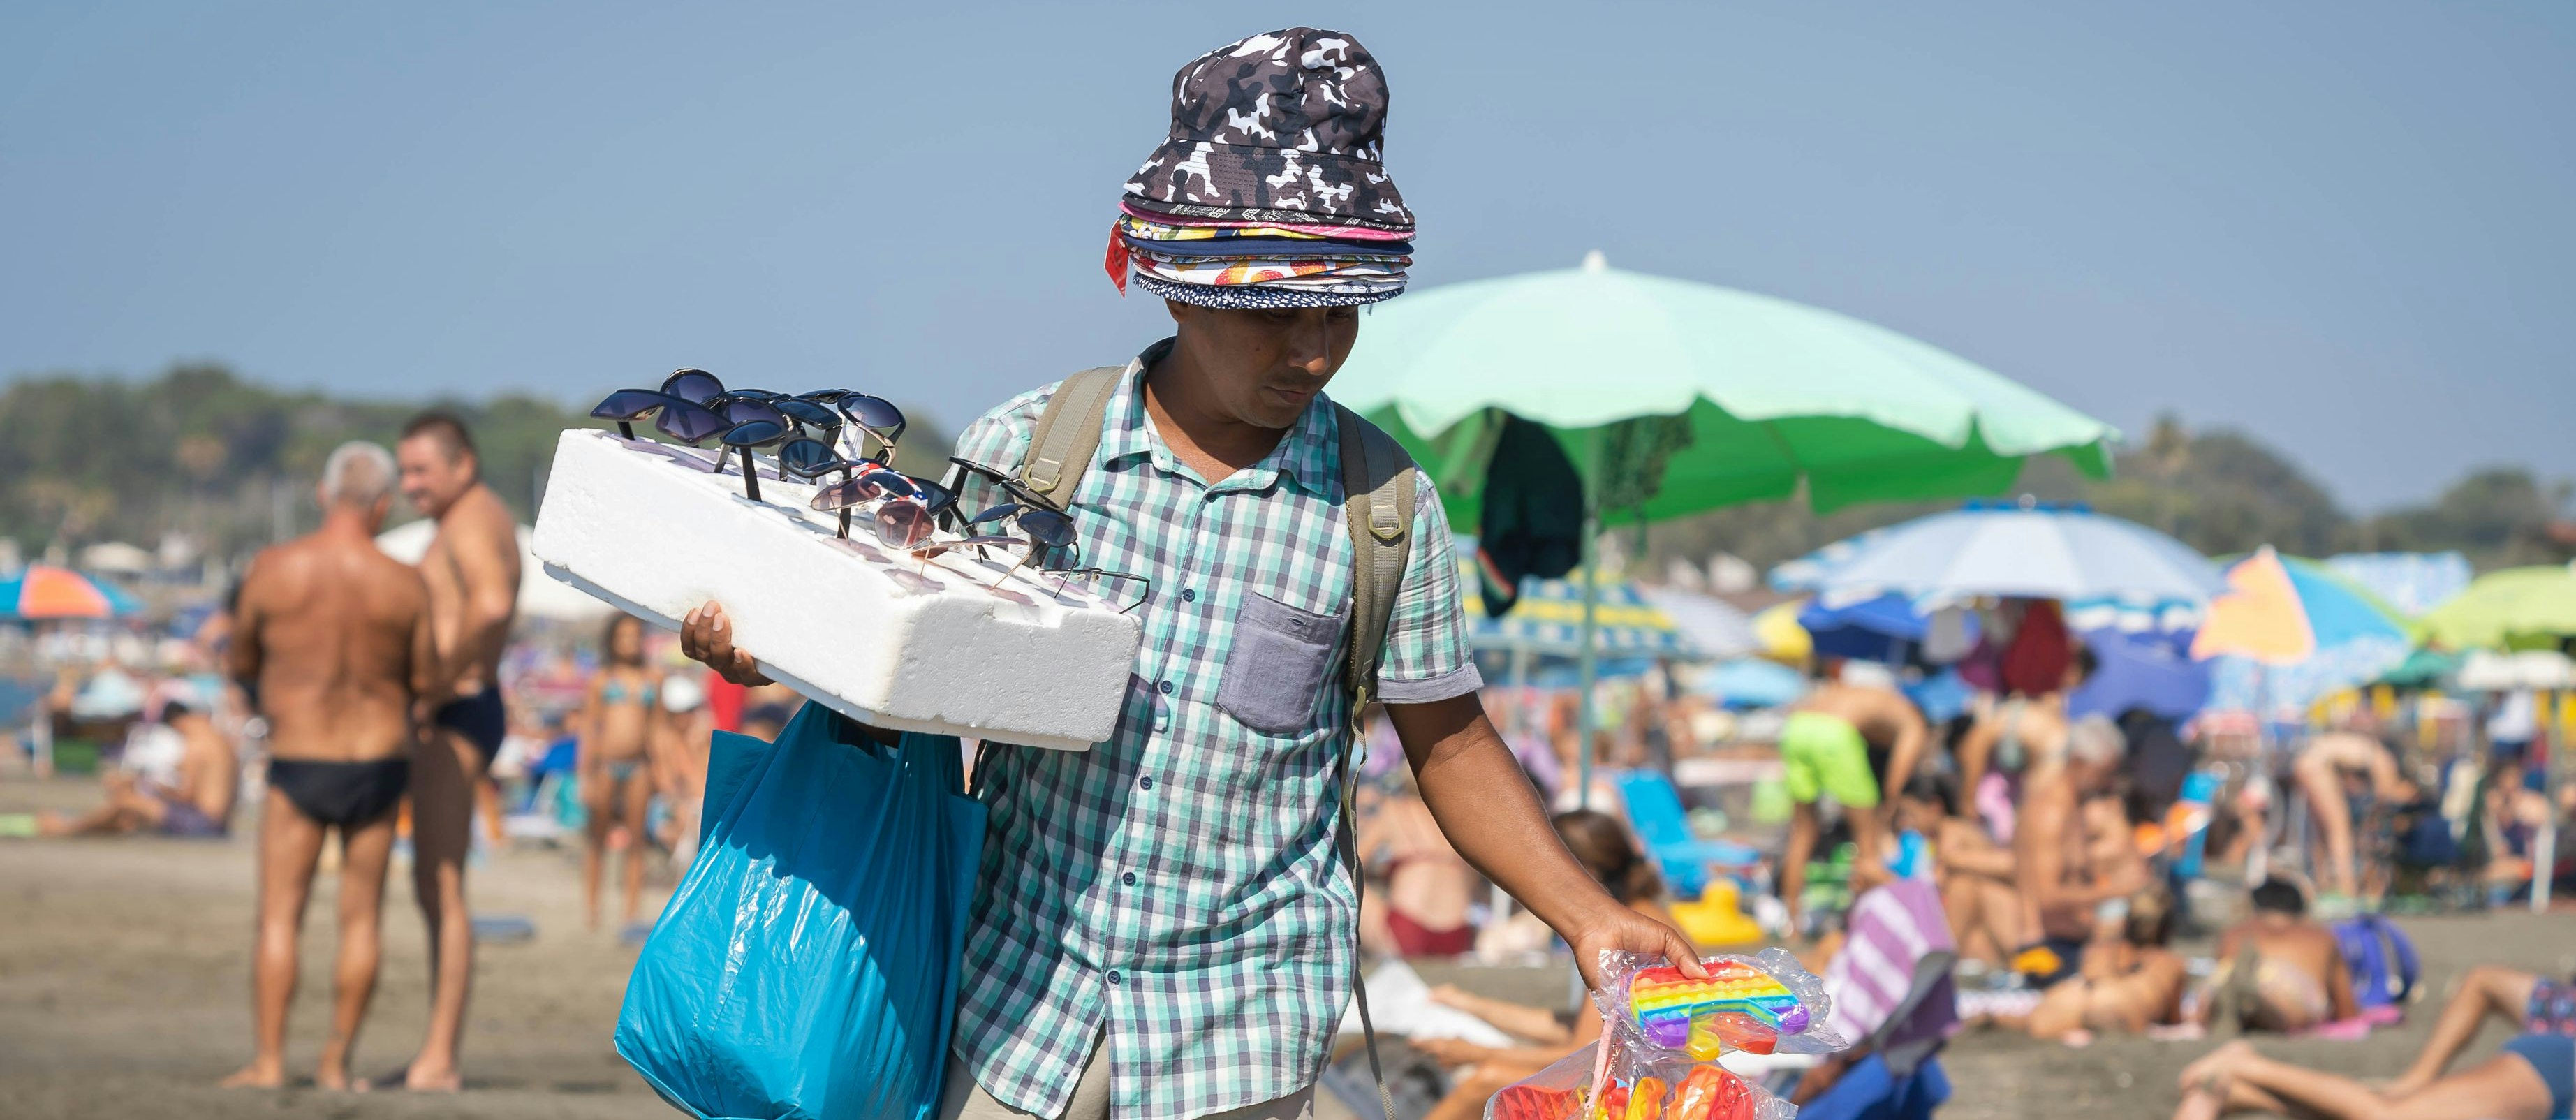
pixel 1269 192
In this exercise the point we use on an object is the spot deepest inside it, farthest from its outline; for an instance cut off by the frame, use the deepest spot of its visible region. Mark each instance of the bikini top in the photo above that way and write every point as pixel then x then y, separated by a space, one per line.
pixel 614 692
pixel 2010 755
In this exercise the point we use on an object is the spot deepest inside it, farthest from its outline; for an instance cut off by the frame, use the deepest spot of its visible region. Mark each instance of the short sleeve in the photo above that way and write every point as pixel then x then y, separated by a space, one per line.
pixel 1427 657
pixel 997 439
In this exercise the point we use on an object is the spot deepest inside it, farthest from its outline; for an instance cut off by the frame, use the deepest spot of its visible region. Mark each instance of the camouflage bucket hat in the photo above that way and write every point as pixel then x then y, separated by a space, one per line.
pixel 1284 121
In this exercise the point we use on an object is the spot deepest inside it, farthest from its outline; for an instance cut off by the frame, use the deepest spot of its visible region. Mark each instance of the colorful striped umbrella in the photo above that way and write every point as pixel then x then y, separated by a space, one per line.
pixel 2034 551
pixel 2290 631
pixel 44 592
pixel 1548 620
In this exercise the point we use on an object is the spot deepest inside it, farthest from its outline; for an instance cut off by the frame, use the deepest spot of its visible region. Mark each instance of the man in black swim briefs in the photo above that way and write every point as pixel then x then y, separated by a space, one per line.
pixel 334 638
pixel 472 573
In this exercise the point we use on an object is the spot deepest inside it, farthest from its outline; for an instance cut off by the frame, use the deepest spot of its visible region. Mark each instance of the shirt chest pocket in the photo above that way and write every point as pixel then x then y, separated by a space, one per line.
pixel 1275 670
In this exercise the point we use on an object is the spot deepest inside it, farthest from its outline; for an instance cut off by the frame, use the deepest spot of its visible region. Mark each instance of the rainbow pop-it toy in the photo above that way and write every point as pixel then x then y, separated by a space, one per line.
pixel 1738 1006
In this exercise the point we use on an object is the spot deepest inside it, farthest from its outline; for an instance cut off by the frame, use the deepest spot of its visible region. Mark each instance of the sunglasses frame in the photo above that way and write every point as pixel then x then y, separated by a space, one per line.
pixel 1067 575
pixel 670 407
pixel 678 374
pixel 750 466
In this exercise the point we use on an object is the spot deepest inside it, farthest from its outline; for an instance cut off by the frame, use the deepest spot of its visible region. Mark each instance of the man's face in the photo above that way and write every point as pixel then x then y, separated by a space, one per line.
pixel 431 477
pixel 1266 366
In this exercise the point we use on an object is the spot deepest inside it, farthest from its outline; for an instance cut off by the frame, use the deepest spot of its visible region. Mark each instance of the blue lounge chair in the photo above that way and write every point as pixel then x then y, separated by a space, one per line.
pixel 1895 1073
pixel 1655 812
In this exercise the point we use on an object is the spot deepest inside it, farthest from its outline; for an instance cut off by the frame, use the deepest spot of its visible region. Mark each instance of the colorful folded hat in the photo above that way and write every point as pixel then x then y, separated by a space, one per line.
pixel 1286 121
pixel 1269 191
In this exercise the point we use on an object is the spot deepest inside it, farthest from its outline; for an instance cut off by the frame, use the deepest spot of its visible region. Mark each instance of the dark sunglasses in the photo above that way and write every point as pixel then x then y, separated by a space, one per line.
pixel 1044 527
pixel 695 386
pixel 876 416
pixel 750 423
pixel 679 419
pixel 1043 533
pixel 1011 486
pixel 812 415
pixel 809 458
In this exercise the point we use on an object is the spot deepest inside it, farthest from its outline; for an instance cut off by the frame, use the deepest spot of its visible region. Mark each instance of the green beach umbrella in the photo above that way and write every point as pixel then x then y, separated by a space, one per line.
pixel 1673 397
pixel 2517 608
pixel 1746 395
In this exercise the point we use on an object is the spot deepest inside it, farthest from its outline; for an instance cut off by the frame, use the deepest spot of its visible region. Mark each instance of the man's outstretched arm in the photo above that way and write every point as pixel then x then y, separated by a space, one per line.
pixel 1492 816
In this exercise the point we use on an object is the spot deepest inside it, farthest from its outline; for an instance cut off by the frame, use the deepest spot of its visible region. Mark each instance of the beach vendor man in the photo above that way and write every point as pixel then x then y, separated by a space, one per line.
pixel 1162 927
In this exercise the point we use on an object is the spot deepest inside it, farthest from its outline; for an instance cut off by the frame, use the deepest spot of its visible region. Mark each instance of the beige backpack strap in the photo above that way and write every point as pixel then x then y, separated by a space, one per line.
pixel 1067 434
pixel 1378 496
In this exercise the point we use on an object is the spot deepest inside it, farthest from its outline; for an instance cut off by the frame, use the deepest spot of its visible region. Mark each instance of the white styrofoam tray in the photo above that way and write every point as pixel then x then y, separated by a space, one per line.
pixel 947 645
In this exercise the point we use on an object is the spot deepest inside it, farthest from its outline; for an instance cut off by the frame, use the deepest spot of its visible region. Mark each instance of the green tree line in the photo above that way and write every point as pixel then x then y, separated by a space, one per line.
pixel 200 451
pixel 2218 490
pixel 232 464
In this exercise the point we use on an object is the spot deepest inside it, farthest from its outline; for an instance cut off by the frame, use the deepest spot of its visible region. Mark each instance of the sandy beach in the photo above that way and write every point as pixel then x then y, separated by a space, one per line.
pixel 124 981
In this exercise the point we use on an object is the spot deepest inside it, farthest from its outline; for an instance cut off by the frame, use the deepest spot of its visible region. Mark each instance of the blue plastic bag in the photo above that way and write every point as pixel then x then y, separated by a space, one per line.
pixel 807 965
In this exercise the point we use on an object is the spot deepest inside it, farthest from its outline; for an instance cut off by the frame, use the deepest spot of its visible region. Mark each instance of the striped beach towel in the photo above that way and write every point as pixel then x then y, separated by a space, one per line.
pixel 1891 928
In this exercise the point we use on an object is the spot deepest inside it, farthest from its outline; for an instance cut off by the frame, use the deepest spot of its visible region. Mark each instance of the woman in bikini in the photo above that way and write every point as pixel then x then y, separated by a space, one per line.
pixel 1423 910
pixel 616 727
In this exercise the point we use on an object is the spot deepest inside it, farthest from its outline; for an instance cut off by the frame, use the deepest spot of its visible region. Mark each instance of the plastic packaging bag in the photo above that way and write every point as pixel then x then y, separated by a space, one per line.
pixel 807 965
pixel 1643 1085
pixel 1762 1004
pixel 1662 1034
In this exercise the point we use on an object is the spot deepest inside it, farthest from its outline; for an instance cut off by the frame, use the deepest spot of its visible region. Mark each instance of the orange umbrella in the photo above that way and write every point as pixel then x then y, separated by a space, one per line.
pixel 2259 617
pixel 45 591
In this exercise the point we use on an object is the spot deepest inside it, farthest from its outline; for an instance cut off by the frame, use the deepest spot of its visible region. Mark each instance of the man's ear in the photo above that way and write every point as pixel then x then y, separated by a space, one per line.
pixel 1181 312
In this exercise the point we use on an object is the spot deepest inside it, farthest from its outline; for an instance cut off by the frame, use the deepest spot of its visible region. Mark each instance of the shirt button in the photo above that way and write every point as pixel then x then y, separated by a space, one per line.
pixel 1189 594
pixel 1128 878
pixel 1146 782
pixel 1113 976
pixel 1166 686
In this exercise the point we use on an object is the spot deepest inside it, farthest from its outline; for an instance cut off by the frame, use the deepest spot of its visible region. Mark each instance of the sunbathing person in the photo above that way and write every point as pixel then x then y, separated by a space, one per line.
pixel 1825 748
pixel 192 796
pixel 2533 1079
pixel 2524 999
pixel 1974 874
pixel 2021 735
pixel 2321 770
pixel 334 638
pixel 617 720
pixel 1422 911
pixel 1600 843
pixel 2071 874
pixel 2125 984
pixel 680 745
pixel 2277 970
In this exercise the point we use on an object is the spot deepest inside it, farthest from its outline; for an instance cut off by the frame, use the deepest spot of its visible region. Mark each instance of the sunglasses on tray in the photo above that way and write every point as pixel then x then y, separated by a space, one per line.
pixel 679 419
pixel 907 508
pixel 876 416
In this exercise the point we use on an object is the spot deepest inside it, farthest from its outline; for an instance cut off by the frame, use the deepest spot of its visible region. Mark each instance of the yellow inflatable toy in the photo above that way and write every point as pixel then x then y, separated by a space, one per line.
pixel 1718 917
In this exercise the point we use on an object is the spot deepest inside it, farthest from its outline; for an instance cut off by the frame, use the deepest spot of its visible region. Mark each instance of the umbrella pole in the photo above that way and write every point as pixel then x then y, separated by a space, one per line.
pixel 1586 666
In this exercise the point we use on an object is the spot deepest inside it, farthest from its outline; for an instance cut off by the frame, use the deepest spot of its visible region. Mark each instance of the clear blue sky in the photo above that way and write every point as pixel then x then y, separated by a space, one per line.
pixel 2348 227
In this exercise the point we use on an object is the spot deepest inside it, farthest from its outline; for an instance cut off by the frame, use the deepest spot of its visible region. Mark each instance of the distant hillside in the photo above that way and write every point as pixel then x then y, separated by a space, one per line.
pixel 2220 491
pixel 231 464
pixel 201 452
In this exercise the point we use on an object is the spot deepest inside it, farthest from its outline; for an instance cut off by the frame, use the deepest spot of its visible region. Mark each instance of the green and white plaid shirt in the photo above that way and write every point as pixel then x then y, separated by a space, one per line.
pixel 1178 885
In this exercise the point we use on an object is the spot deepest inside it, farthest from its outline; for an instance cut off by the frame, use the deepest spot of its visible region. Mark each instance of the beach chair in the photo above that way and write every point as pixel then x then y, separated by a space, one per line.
pixel 2189 819
pixel 1655 813
pixel 1895 1073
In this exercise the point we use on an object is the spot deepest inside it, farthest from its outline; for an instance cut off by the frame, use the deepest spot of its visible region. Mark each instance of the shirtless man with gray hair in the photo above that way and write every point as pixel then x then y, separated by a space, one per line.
pixel 2062 896
pixel 332 641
